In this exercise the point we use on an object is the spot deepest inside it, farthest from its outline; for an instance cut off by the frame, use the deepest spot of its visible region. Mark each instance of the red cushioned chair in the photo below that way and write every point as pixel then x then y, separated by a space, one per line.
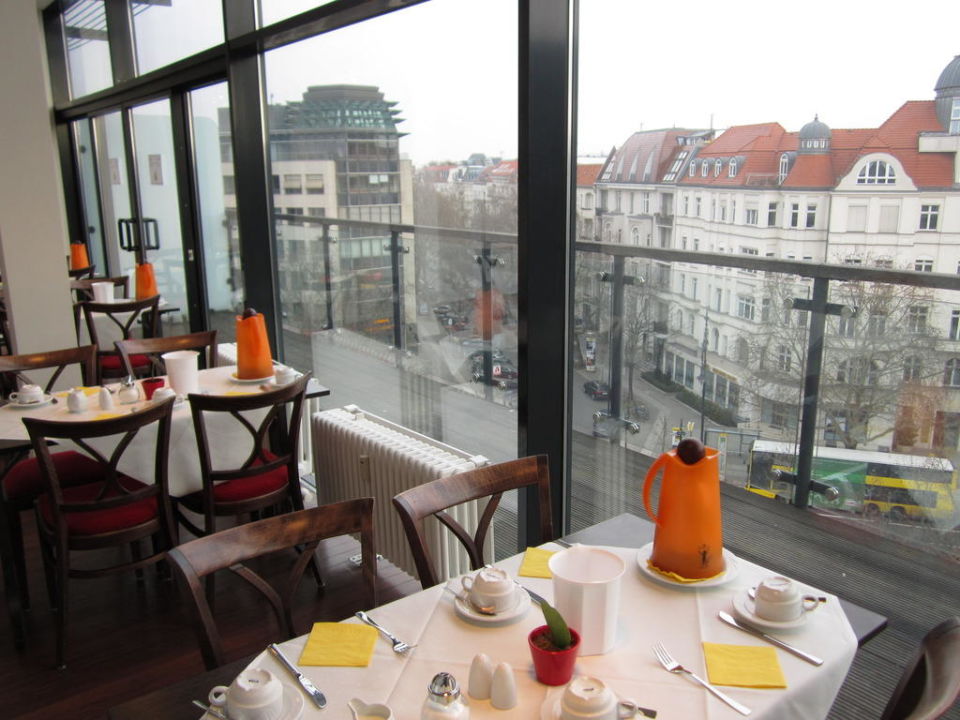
pixel 20 480
pixel 124 314
pixel 204 341
pixel 266 476
pixel 115 510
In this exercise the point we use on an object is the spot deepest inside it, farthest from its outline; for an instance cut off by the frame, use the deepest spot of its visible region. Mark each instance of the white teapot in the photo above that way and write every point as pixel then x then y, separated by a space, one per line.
pixel 77 400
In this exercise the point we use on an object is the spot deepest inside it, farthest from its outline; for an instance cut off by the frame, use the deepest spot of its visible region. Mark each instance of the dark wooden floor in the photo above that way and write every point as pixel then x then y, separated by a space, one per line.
pixel 133 639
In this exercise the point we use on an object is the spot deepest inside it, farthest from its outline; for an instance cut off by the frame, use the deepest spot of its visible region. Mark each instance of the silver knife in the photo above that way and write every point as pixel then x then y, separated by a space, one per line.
pixel 729 620
pixel 308 687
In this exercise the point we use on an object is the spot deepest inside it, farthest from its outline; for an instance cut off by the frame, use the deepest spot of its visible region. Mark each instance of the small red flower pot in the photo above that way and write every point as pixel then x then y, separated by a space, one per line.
pixel 151 385
pixel 553 667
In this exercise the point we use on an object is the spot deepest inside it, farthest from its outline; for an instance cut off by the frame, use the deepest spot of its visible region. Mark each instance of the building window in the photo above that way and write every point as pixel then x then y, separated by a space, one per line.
pixel 784 169
pixel 645 207
pixel 876 324
pixel 745 307
pixel 917 319
pixel 794 215
pixel 951 373
pixel 276 184
pixel 733 211
pixel 846 326
pixel 696 245
pixel 618 200
pixel 314 184
pixel 717 300
pixel 955 117
pixel 692 170
pixel 811 214
pixel 752 216
pixel 229 185
pixel 784 361
pixel 293 184
pixel 955 325
pixel 693 288
pixel 717 167
pixel 772 215
pixel 732 169
pixel 704 169
pixel 929 216
pixel 876 172
pixel 857 218
pixel 698 203
pixel 686 204
pixel 857 371
pixel 912 368
pixel 635 236
pixel 923 265
pixel 587 201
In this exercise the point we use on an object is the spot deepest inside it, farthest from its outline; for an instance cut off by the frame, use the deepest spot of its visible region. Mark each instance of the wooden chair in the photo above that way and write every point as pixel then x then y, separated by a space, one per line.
pixel 152 348
pixel 83 286
pixel 264 478
pixel 435 497
pixel 198 559
pixel 20 479
pixel 115 511
pixel 930 683
pixel 82 273
pixel 123 315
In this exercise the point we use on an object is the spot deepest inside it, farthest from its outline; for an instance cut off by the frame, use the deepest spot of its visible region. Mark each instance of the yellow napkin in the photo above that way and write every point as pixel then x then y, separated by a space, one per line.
pixel 88 391
pixel 241 392
pixel 339 644
pixel 107 415
pixel 743 666
pixel 535 563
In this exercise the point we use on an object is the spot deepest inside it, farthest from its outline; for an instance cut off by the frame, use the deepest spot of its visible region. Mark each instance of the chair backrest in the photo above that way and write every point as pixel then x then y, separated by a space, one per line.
pixel 435 497
pixel 114 494
pixel 285 436
pixel 81 273
pixel 154 347
pixel 229 548
pixel 930 683
pixel 83 286
pixel 123 314
pixel 12 367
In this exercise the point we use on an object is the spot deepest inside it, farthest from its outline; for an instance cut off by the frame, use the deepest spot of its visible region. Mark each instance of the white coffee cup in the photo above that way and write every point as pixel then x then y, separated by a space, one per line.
pixel 27 395
pixel 589 697
pixel 491 587
pixel 102 291
pixel 778 599
pixel 586 592
pixel 183 374
pixel 255 694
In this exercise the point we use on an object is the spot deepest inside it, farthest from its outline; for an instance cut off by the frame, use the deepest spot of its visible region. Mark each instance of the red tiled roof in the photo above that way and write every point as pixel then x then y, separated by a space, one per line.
pixel 587 174
pixel 645 156
pixel 812 171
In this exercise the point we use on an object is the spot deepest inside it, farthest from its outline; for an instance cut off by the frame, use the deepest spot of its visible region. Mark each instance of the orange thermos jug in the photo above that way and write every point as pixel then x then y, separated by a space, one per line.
pixel 688 540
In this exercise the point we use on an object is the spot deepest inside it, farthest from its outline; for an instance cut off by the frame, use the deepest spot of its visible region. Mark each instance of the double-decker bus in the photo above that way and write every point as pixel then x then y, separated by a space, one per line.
pixel 870 482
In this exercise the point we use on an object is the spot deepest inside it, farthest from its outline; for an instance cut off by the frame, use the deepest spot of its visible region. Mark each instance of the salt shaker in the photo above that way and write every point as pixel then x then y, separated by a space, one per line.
pixel 443 700
pixel 128 391
pixel 106 399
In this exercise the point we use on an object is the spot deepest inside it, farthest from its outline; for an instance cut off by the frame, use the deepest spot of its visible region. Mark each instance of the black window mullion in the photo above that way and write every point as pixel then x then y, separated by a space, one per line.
pixel 544 217
pixel 120 34
pixel 56 55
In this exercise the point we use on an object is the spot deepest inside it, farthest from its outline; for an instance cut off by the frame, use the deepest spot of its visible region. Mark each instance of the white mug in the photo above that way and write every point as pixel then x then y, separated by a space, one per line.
pixel 183 374
pixel 586 592
pixel 255 694
pixel 491 587
pixel 778 599
pixel 589 697
pixel 27 395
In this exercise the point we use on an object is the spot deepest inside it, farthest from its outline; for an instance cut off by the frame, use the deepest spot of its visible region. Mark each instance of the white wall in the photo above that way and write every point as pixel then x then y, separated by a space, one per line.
pixel 33 234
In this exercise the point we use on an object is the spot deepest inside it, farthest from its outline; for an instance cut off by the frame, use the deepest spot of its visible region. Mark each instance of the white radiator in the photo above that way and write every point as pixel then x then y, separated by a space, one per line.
pixel 356 454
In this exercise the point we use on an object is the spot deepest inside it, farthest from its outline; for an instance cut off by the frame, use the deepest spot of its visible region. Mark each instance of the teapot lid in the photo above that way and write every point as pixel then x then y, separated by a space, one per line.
pixel 444 688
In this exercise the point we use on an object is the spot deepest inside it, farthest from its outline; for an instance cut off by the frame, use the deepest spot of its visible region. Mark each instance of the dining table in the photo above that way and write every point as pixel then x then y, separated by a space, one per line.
pixel 183 472
pixel 447 639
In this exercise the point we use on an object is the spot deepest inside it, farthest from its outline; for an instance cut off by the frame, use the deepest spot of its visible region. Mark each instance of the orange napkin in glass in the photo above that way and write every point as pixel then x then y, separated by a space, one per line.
pixel 253 349
pixel 146 281
pixel 743 666
pixel 78 256
pixel 339 645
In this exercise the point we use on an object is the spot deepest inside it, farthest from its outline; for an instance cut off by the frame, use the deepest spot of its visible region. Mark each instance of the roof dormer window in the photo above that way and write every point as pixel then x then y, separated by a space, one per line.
pixel 732 168
pixel 704 169
pixel 955 117
pixel 784 168
pixel 692 171
pixel 717 165
pixel 877 172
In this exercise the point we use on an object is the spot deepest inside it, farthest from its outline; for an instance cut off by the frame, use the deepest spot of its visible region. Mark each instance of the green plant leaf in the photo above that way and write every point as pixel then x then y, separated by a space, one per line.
pixel 559 632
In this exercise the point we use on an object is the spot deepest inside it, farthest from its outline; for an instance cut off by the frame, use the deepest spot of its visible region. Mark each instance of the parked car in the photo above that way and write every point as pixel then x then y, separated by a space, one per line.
pixel 597 390
pixel 504 374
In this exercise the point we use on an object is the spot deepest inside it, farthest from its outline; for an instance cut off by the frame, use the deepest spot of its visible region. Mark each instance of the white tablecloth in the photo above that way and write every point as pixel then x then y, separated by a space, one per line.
pixel 680 618
pixel 229 442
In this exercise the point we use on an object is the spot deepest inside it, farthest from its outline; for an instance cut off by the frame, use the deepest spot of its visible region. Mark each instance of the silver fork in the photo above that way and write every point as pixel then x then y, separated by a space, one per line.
pixel 673 666
pixel 399 646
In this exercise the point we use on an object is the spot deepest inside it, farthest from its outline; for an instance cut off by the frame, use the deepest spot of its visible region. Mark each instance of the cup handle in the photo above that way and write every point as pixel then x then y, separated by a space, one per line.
pixel 218 696
pixel 14 395
pixel 468 586
pixel 627 709
pixel 814 603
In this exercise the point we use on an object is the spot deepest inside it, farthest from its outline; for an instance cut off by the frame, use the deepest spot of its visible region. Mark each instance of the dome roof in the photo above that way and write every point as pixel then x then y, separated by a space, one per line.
pixel 815 130
pixel 950 77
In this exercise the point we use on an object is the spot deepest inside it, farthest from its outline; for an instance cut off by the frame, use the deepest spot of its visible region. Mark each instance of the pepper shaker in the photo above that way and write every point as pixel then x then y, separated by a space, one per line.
pixel 443 700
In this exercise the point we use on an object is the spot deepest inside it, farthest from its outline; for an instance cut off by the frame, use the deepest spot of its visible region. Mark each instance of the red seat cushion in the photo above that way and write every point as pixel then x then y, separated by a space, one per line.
pixel 23 482
pixel 113 362
pixel 96 522
pixel 244 488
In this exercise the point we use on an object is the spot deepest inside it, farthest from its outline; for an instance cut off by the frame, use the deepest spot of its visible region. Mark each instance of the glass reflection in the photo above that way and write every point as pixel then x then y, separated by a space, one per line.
pixel 88 47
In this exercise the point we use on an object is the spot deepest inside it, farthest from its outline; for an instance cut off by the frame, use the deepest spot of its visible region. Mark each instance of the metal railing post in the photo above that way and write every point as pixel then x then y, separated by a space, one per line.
pixel 811 385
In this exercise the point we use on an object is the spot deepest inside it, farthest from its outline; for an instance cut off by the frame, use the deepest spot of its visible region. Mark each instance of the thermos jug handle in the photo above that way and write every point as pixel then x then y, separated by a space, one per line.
pixel 651 473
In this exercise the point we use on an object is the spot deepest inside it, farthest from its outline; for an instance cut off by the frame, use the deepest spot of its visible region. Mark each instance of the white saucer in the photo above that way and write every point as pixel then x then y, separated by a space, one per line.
pixel 244 381
pixel 47 399
pixel 292 705
pixel 550 709
pixel 731 571
pixel 743 608
pixel 467 612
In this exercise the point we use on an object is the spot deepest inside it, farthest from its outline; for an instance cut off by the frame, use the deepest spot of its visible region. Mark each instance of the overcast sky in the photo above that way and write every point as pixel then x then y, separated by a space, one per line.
pixel 451 66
